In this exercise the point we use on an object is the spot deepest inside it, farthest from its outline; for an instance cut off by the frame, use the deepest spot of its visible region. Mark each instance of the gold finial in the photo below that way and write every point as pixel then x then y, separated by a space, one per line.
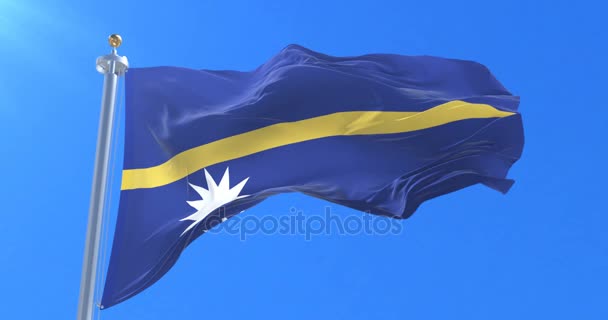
pixel 115 40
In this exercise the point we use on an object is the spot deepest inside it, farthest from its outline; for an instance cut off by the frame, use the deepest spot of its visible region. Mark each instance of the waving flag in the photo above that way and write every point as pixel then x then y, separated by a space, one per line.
pixel 378 133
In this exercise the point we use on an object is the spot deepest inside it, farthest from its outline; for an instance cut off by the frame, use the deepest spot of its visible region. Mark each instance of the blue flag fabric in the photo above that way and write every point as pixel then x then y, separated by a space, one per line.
pixel 378 133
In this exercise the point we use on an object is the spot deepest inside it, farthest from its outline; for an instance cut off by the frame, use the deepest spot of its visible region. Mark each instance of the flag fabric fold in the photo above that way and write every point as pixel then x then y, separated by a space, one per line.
pixel 378 133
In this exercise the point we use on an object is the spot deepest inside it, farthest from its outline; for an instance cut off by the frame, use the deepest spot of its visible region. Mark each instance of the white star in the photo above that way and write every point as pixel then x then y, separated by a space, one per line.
pixel 213 198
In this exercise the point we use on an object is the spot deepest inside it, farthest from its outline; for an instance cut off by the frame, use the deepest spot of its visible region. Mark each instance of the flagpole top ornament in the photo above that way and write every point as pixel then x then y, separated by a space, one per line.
pixel 113 63
pixel 115 40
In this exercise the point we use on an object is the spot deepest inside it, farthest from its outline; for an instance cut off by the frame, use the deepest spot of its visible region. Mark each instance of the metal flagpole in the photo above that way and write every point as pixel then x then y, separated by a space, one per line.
pixel 111 66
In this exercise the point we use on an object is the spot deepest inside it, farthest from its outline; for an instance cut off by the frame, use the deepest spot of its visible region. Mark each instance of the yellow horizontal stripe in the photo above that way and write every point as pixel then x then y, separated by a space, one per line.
pixel 286 133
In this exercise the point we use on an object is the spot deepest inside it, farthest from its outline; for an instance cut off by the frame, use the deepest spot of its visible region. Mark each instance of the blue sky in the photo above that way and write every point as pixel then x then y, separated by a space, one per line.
pixel 539 252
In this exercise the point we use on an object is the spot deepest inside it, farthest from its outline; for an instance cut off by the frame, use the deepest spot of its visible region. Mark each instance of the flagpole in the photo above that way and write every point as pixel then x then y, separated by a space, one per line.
pixel 111 66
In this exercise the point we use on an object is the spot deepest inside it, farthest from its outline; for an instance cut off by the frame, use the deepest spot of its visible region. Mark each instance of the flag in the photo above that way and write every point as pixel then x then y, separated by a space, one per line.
pixel 379 133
